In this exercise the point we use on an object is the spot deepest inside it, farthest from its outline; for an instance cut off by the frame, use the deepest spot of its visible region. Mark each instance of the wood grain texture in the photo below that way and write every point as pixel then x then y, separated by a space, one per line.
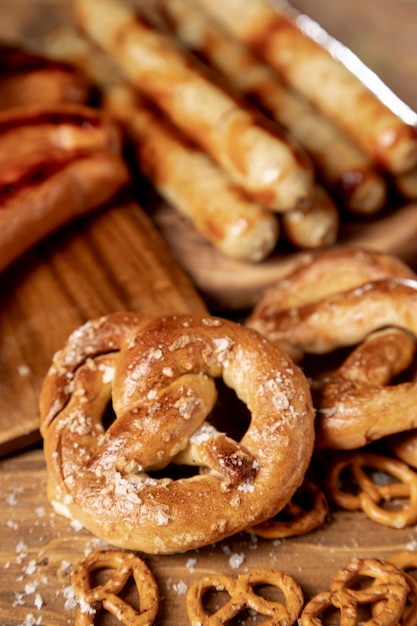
pixel 113 260
pixel 38 550
pixel 108 262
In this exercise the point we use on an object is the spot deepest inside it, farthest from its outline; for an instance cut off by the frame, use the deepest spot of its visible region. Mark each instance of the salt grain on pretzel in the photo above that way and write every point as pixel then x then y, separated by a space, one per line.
pixel 274 33
pixel 158 374
pixel 242 596
pixel 93 600
pixel 277 174
pixel 343 168
pixel 357 298
pixel 371 495
pixel 386 595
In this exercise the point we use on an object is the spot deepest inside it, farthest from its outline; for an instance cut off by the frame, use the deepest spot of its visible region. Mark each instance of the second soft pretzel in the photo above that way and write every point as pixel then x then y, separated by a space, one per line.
pixel 159 376
pixel 358 299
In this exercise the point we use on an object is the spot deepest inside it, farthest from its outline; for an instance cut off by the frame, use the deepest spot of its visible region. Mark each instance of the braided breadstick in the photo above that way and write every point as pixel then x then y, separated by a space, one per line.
pixel 259 159
pixel 344 169
pixel 274 33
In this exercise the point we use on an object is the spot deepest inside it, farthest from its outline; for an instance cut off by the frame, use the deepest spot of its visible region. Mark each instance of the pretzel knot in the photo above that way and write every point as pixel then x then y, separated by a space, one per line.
pixel 386 594
pixel 106 596
pixel 306 510
pixel 373 310
pixel 370 495
pixel 242 597
pixel 127 399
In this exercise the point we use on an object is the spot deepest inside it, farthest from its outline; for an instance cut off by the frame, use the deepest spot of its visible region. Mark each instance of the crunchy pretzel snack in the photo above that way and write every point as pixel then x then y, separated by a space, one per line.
pixel 92 600
pixel 387 595
pixel 306 510
pixel 258 157
pixel 371 492
pixel 357 404
pixel 243 596
pixel 405 561
pixel 159 375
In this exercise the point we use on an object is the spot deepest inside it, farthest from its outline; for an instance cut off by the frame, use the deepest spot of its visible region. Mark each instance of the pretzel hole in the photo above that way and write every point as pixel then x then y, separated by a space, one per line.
pixel 213 600
pixel 129 594
pixel 330 616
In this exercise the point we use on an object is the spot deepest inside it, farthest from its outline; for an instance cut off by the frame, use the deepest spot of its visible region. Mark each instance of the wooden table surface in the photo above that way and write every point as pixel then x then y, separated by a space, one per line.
pixel 37 547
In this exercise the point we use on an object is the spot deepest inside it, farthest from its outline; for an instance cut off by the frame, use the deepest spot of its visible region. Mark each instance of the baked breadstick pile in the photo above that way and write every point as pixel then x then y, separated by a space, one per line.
pixel 227 134
pixel 59 157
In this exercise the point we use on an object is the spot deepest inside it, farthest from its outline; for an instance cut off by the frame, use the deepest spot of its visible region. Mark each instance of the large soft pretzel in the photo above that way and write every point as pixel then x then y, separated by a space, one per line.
pixel 319 309
pixel 158 374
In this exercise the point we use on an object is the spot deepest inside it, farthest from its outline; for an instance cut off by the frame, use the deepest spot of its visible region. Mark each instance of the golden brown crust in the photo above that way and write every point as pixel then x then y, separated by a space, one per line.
pixel 257 157
pixel 370 496
pixel 384 587
pixel 243 596
pixel 274 34
pixel 159 376
pixel 109 595
pixel 350 298
pixel 56 163
pixel 306 510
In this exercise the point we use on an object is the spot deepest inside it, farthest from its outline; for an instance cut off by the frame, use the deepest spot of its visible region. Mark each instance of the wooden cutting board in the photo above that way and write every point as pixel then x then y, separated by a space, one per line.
pixel 38 550
pixel 229 285
pixel 113 260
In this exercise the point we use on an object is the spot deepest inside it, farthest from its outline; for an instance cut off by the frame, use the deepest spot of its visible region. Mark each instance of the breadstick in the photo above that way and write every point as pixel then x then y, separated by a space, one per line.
pixel 317 227
pixel 31 129
pixel 344 169
pixel 272 32
pixel 46 190
pixel 181 173
pixel 266 165
pixel 406 184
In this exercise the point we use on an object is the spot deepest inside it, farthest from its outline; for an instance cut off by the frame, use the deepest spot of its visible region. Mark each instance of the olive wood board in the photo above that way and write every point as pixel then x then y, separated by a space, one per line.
pixel 113 260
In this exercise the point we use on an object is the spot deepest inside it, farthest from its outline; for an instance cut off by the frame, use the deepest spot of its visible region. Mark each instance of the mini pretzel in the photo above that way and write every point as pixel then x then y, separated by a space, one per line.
pixel 350 298
pixel 243 597
pixel 106 596
pixel 388 590
pixel 404 561
pixel 159 375
pixel 370 494
pixel 306 510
